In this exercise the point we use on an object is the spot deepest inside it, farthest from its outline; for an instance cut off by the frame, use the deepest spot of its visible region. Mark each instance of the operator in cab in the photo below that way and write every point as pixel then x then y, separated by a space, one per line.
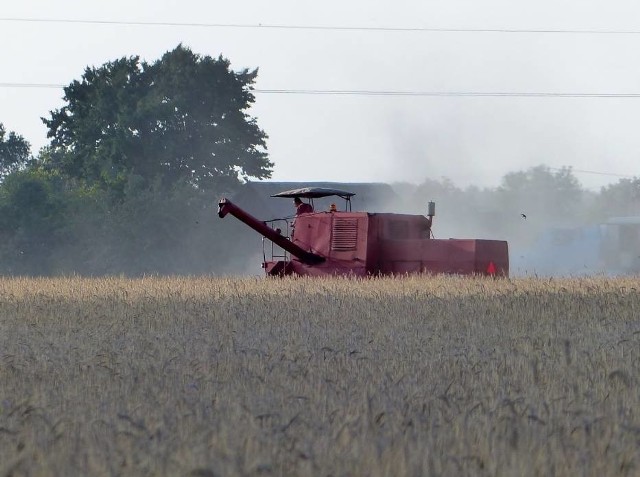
pixel 302 207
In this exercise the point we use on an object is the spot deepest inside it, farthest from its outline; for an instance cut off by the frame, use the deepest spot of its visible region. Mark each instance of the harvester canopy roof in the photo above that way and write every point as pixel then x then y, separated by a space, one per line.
pixel 314 193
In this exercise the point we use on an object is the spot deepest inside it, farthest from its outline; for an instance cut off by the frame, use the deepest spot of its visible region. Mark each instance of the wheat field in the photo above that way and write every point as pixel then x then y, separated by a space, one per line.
pixel 411 376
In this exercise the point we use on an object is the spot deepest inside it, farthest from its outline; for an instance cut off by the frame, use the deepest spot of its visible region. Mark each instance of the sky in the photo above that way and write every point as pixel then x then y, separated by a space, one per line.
pixel 472 140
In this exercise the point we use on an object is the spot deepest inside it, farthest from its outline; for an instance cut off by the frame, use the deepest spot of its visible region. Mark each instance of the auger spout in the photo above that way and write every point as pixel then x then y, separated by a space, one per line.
pixel 225 206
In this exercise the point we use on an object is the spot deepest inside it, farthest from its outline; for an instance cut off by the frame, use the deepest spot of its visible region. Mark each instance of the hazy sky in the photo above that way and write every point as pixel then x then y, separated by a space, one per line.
pixel 471 140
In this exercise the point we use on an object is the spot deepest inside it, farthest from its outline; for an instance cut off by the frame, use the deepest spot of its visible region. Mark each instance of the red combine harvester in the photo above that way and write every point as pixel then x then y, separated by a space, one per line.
pixel 363 244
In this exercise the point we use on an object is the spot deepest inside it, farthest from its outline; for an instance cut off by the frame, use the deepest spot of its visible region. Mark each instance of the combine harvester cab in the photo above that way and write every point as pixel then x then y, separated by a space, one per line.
pixel 325 243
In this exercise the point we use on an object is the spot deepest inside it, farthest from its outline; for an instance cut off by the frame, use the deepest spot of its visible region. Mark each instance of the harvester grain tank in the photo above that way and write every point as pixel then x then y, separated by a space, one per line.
pixel 352 243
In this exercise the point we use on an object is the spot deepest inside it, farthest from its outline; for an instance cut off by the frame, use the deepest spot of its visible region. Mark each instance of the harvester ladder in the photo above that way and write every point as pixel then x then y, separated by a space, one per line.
pixel 276 252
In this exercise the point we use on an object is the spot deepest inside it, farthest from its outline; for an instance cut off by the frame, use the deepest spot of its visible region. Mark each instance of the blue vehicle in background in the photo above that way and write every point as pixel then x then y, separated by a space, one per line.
pixel 611 248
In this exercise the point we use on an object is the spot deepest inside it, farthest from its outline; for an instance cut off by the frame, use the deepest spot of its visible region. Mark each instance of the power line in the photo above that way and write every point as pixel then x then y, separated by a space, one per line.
pixel 447 93
pixel 599 173
pixel 31 85
pixel 266 26
pixel 354 92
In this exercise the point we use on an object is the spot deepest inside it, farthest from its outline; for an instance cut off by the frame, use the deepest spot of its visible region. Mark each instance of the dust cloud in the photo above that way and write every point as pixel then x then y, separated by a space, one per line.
pixel 560 229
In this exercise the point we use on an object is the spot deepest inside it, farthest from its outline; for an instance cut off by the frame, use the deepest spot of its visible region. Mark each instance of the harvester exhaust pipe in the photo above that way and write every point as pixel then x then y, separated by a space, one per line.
pixel 431 209
pixel 431 212
pixel 225 206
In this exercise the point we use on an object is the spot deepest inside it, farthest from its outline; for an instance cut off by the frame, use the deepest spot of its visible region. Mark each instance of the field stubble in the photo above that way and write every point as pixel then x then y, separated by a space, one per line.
pixel 415 376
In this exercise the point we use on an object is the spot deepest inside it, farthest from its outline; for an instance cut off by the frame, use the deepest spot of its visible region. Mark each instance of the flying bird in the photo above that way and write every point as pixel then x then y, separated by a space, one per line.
pixel 523 216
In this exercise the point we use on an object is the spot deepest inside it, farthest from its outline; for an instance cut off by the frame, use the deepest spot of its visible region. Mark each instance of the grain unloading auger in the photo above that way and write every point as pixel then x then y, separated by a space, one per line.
pixel 363 243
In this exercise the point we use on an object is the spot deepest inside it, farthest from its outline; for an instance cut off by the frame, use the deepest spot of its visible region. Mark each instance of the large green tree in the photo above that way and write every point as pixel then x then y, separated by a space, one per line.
pixel 15 152
pixel 182 118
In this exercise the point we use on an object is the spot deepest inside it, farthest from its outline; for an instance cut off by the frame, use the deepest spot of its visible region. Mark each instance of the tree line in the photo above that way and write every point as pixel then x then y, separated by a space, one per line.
pixel 526 203
pixel 139 153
